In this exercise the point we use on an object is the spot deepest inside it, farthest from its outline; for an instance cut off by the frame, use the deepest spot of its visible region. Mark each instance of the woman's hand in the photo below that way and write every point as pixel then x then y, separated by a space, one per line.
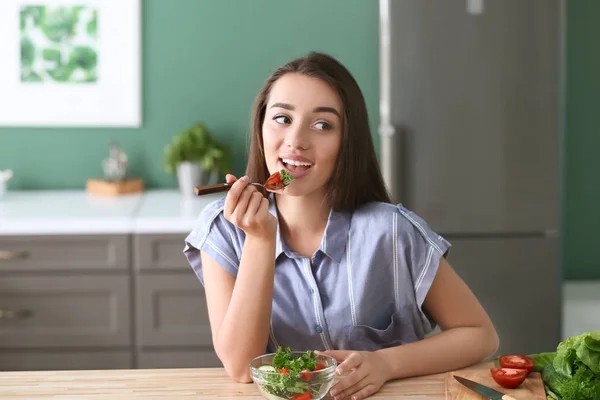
pixel 368 372
pixel 248 209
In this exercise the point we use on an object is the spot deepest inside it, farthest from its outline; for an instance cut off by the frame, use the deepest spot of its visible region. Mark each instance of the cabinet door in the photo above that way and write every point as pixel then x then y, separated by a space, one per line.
pixel 179 358
pixel 160 252
pixel 64 360
pixel 64 252
pixel 172 311
pixel 65 311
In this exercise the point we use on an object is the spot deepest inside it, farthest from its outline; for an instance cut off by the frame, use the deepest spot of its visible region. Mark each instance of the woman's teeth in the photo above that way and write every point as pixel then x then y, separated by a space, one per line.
pixel 296 163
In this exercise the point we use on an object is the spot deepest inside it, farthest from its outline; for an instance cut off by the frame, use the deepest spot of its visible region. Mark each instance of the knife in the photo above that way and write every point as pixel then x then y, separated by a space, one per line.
pixel 483 390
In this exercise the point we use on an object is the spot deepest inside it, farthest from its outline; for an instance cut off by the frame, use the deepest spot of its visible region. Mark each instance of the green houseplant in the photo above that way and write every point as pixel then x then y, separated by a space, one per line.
pixel 194 155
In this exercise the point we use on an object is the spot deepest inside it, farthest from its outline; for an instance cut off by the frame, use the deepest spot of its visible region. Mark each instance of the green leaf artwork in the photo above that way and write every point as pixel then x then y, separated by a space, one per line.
pixel 59 44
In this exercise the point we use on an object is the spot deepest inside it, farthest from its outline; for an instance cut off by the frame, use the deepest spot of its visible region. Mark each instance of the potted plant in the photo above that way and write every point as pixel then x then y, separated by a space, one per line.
pixel 195 156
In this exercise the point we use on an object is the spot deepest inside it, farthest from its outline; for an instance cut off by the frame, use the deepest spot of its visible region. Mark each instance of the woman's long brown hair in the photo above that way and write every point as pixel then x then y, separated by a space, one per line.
pixel 356 178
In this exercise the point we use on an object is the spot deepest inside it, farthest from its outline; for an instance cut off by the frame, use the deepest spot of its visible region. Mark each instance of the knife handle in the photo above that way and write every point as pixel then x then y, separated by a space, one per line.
pixel 507 397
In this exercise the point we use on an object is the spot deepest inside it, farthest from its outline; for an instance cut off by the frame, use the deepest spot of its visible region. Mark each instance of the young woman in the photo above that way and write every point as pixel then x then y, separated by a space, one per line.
pixel 329 264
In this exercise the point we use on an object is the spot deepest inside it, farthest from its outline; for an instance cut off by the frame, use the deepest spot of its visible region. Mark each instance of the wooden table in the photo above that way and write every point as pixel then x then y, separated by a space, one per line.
pixel 171 384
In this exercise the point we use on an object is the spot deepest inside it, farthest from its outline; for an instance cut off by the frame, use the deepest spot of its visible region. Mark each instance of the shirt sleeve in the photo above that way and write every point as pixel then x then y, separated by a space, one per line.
pixel 217 237
pixel 424 249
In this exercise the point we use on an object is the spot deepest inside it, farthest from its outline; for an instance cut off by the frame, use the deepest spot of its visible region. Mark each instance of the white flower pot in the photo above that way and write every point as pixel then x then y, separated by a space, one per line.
pixel 190 175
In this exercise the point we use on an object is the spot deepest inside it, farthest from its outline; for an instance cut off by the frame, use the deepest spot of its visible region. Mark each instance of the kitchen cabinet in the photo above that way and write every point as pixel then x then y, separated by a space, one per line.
pixel 65 302
pixel 57 360
pixel 93 283
pixel 54 253
pixel 172 319
pixel 178 358
pixel 68 311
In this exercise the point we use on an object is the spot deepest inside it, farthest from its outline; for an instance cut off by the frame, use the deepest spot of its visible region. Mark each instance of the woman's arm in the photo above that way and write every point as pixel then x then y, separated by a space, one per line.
pixel 468 335
pixel 239 309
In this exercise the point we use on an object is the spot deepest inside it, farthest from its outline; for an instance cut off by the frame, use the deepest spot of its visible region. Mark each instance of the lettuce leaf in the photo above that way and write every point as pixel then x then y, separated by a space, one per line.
pixel 584 349
pixel 574 372
pixel 542 359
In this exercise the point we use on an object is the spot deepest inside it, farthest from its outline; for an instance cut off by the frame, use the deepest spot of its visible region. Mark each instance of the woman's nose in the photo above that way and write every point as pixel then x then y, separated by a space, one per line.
pixel 296 138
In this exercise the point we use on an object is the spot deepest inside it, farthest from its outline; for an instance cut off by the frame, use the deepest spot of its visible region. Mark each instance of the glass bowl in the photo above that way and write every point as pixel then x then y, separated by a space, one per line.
pixel 306 385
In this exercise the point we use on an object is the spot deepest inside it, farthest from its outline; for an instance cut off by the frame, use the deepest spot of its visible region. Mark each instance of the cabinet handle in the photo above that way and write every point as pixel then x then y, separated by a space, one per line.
pixel 15 314
pixel 6 255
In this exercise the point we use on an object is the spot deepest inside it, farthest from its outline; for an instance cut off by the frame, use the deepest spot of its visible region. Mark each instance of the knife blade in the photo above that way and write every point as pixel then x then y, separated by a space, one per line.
pixel 483 390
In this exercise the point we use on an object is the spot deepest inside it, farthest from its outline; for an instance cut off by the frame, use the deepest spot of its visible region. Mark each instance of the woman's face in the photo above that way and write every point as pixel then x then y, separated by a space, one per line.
pixel 302 132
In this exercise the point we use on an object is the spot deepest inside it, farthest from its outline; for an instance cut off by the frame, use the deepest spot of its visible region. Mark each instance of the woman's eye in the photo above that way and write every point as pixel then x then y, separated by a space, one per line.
pixel 281 119
pixel 323 126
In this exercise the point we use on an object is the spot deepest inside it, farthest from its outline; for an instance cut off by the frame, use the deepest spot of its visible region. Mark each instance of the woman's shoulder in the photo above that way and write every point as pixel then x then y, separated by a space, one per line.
pixel 377 212
pixel 211 218
pixel 211 211
pixel 215 235
pixel 400 220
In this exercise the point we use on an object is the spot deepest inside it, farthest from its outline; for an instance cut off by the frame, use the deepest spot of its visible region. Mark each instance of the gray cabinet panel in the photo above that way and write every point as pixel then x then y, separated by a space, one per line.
pixel 82 252
pixel 172 311
pixel 160 252
pixel 179 358
pixel 64 360
pixel 69 311
pixel 517 281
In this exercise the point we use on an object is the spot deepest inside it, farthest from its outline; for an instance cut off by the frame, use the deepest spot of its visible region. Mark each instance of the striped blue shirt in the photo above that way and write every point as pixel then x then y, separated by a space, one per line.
pixel 366 285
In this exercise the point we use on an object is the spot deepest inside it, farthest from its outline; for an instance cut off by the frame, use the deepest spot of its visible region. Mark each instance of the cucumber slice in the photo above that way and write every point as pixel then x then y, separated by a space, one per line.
pixel 267 368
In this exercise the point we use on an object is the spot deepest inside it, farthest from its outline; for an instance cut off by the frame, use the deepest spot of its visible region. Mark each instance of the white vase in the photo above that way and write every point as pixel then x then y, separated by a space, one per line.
pixel 190 175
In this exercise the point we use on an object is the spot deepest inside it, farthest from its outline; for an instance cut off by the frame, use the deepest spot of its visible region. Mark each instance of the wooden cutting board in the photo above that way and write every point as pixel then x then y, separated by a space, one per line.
pixel 531 389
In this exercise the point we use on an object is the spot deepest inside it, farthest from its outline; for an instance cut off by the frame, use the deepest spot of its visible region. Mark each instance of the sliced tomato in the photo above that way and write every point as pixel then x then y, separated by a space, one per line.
pixel 319 367
pixel 303 396
pixel 517 362
pixel 284 370
pixel 274 181
pixel 305 375
pixel 509 378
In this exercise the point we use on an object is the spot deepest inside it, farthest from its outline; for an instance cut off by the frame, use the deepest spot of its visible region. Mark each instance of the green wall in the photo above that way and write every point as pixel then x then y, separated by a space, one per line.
pixel 582 142
pixel 202 60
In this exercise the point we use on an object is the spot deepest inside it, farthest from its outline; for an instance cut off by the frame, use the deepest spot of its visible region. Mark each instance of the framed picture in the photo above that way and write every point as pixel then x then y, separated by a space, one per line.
pixel 70 63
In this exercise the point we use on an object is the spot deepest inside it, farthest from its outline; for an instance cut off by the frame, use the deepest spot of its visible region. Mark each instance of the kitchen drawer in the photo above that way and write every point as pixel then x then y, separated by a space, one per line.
pixel 64 252
pixel 64 360
pixel 179 358
pixel 172 311
pixel 65 311
pixel 160 252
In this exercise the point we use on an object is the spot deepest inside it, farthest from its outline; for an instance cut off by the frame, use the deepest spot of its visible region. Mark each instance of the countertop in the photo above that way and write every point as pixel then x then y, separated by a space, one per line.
pixel 201 383
pixel 76 212
pixel 168 212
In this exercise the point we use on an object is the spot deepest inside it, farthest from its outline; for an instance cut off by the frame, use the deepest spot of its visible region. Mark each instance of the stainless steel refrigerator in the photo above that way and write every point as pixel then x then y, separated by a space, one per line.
pixel 470 118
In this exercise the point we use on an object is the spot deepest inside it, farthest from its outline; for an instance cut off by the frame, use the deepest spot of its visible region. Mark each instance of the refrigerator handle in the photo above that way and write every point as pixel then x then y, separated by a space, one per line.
pixel 551 233
pixel 390 146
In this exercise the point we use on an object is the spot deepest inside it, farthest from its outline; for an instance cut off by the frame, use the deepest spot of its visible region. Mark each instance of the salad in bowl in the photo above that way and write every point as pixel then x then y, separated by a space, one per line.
pixel 293 375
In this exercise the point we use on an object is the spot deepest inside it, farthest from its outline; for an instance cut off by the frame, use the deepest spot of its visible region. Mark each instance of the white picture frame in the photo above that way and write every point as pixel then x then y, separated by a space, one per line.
pixel 90 70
